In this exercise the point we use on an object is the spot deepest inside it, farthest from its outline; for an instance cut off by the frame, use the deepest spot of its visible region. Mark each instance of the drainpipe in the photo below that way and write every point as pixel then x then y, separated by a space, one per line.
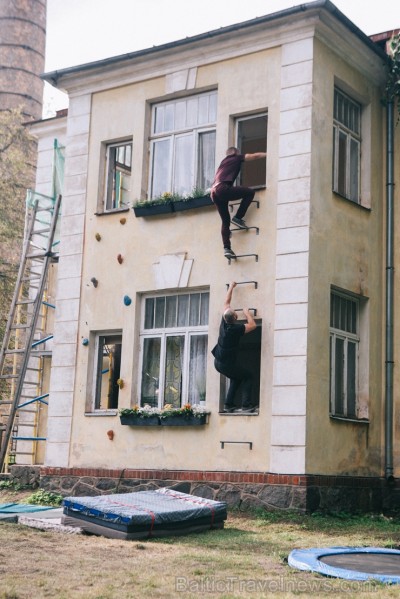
pixel 389 363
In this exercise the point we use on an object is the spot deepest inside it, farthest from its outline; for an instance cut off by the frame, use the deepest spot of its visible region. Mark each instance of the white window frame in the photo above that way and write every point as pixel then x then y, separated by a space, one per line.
pixel 172 134
pixel 252 164
pixel 96 384
pixel 352 136
pixel 108 204
pixel 186 332
pixel 347 337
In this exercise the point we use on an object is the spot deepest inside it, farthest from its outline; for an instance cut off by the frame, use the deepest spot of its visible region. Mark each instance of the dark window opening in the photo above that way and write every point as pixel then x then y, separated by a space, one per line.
pixel 249 356
pixel 251 138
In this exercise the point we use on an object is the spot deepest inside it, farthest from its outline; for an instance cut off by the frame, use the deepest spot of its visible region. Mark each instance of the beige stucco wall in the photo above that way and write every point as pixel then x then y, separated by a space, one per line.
pixel 120 113
pixel 346 251
pixel 309 240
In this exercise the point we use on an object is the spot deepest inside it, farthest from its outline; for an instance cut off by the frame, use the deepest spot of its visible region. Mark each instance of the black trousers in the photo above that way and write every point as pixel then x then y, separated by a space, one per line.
pixel 238 376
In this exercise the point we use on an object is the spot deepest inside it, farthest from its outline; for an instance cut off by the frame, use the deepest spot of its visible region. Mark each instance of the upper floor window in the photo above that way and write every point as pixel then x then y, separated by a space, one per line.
pixel 251 132
pixel 118 175
pixel 346 146
pixel 174 337
pixel 183 145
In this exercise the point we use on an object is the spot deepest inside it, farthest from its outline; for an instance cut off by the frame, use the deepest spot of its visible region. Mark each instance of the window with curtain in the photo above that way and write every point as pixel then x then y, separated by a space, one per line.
pixel 346 146
pixel 174 340
pixel 183 145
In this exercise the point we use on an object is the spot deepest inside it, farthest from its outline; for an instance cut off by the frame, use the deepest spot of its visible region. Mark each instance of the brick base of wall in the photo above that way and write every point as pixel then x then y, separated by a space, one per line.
pixel 244 490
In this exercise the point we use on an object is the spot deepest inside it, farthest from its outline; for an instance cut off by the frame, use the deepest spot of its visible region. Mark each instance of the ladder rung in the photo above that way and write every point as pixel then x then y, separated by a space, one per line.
pixel 28 439
pixel 6 402
pixel 14 351
pixel 40 231
pixel 8 376
pixel 27 301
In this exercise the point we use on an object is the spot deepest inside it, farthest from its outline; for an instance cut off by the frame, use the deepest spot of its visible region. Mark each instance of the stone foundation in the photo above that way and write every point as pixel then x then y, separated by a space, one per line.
pixel 243 490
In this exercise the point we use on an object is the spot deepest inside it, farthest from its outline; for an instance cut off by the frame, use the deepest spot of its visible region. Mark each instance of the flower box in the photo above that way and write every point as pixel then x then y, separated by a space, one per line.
pixel 173 205
pixel 183 420
pixel 198 202
pixel 133 420
pixel 153 209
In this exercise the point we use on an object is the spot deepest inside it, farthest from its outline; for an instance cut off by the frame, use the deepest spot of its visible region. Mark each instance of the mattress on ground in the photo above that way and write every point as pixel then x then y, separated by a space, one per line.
pixel 144 514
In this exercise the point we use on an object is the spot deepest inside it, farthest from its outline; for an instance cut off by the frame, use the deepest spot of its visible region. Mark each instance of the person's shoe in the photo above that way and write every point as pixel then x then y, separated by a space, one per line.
pixel 239 222
pixel 248 409
pixel 228 253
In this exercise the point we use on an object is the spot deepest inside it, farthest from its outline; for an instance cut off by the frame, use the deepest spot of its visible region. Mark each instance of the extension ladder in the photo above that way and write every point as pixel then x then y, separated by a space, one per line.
pixel 25 337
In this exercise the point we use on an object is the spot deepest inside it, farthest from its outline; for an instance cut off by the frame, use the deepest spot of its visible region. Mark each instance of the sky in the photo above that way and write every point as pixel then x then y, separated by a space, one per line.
pixel 81 31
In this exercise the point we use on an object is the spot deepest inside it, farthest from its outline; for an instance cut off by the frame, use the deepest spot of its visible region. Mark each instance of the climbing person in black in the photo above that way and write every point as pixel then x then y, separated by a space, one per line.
pixel 226 355
pixel 223 191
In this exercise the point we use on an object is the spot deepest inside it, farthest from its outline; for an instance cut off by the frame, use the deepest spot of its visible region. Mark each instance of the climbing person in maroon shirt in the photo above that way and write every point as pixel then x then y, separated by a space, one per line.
pixel 223 191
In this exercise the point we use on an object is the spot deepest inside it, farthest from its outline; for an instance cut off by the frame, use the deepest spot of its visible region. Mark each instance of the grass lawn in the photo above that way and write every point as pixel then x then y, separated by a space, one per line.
pixel 248 558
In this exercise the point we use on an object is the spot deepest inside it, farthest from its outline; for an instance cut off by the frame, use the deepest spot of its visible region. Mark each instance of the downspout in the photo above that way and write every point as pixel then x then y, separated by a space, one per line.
pixel 389 363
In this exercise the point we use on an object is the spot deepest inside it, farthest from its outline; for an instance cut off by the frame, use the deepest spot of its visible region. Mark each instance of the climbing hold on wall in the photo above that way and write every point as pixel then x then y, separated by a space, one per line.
pixel 120 383
pixel 122 220
pixel 127 300
pixel 120 258
pixel 110 435
pixel 85 341
pixel 94 281
pixel 98 236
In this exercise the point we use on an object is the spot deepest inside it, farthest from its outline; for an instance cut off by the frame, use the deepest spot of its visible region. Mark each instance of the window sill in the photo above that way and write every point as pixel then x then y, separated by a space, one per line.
pixel 359 205
pixel 235 414
pixel 116 211
pixel 350 420
pixel 102 413
pixel 171 207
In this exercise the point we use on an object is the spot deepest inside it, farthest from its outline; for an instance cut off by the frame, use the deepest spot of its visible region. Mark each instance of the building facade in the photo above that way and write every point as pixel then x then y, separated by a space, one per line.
pixel 139 298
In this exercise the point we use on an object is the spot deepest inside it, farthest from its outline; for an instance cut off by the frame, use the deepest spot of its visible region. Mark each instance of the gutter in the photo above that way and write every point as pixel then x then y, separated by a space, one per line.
pixel 53 77
pixel 389 362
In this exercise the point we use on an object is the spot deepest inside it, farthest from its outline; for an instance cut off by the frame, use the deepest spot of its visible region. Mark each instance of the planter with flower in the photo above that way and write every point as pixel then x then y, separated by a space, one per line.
pixel 170 202
pixel 188 415
pixel 140 416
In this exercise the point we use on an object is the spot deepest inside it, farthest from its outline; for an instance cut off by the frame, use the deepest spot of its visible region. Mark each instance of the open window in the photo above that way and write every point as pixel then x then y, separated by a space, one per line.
pixel 117 175
pixel 107 370
pixel 174 340
pixel 251 135
pixel 249 356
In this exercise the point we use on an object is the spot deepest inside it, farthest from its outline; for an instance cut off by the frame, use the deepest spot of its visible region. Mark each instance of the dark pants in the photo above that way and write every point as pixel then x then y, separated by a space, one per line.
pixel 237 376
pixel 221 195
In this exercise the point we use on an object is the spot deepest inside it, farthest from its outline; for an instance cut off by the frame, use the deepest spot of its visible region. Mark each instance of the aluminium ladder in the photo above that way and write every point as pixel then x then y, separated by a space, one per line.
pixel 21 355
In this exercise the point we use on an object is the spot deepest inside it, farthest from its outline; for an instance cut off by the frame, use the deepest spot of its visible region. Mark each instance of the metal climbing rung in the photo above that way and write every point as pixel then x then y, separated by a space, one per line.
pixel 243 256
pixel 245 283
pixel 26 318
pixel 245 229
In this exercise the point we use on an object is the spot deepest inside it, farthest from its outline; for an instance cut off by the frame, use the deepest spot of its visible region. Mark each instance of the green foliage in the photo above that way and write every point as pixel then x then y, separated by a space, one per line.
pixel 9 485
pixel 393 80
pixel 43 497
pixel 17 160
pixel 167 198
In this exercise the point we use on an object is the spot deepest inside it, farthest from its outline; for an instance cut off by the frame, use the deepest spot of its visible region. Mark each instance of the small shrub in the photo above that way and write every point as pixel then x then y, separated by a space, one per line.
pixel 42 497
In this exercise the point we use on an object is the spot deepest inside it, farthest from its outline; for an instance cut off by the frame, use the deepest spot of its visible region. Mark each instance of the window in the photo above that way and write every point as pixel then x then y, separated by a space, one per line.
pixel 344 354
pixel 252 137
pixel 118 175
pixel 183 145
pixel 346 146
pixel 107 370
pixel 174 340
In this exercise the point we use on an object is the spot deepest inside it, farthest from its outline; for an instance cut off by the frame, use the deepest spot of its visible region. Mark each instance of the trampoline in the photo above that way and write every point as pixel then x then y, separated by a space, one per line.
pixel 351 563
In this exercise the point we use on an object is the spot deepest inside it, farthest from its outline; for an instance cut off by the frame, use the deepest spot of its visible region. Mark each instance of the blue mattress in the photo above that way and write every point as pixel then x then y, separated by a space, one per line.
pixel 145 513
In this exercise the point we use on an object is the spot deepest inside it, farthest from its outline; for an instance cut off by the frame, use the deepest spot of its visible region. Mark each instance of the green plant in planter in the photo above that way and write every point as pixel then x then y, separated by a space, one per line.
pixel 186 411
pixel 168 197
pixel 145 411
pixel 392 90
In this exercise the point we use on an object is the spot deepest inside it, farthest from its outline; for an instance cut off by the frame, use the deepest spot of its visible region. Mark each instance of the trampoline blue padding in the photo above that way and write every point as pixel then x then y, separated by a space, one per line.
pixel 145 513
pixel 351 563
